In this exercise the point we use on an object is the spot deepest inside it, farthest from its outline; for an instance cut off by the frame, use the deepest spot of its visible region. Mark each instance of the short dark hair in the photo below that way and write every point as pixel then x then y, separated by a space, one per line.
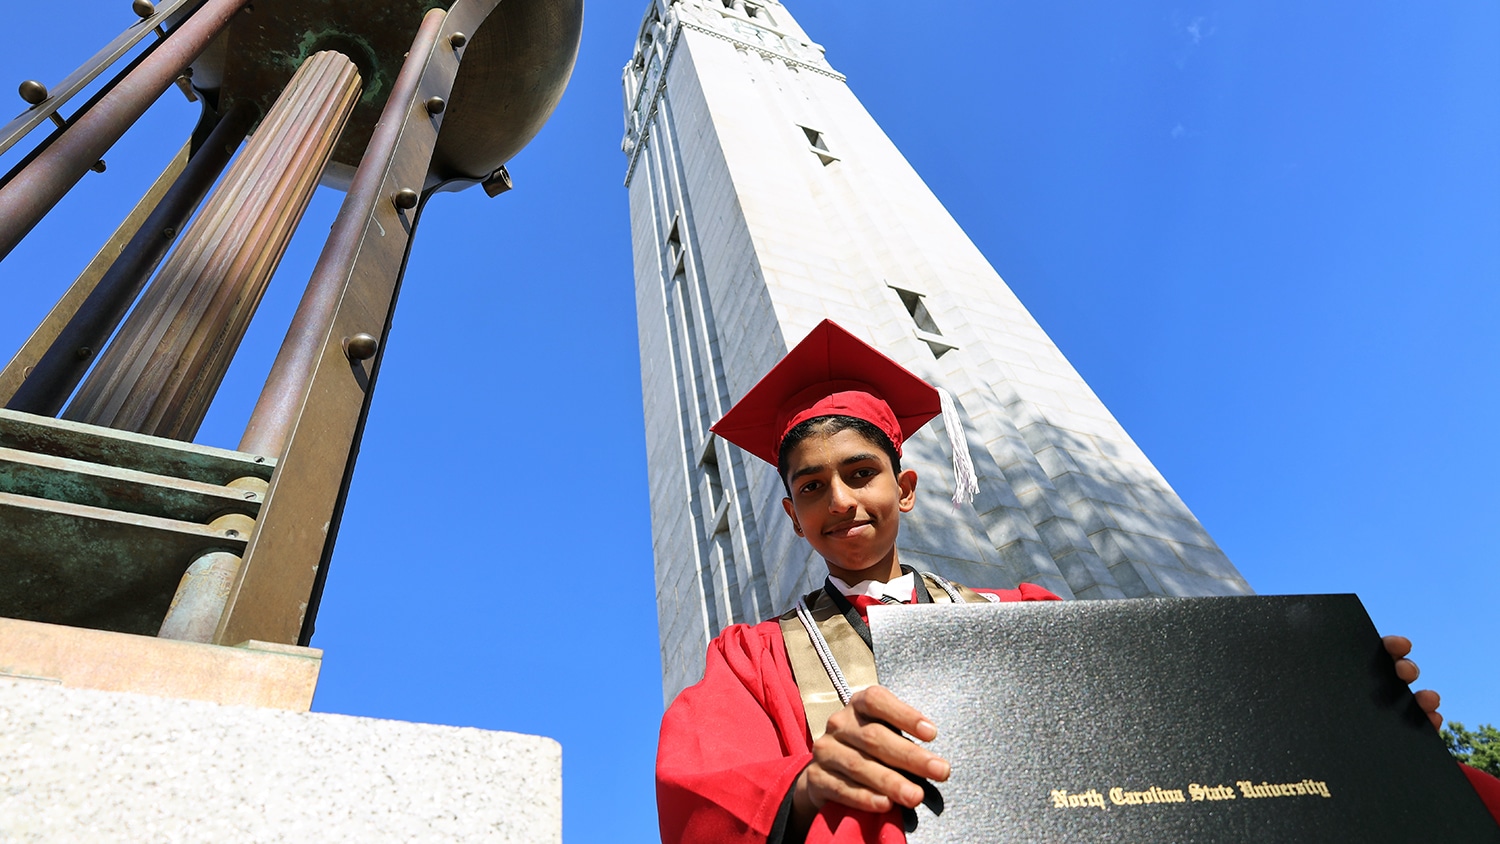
pixel 828 425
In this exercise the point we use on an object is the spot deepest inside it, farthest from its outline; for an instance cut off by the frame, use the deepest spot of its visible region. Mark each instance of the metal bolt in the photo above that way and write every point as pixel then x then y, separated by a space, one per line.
pixel 361 346
pixel 458 40
pixel 406 199
pixel 185 85
pixel 143 8
pixel 252 486
pixel 34 92
pixel 435 105
pixel 233 525
pixel 169 231
pixel 84 353
pixel 498 182
pixel 99 166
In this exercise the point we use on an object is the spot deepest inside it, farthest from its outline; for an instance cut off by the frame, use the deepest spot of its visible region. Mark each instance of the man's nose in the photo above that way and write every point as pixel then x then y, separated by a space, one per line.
pixel 840 497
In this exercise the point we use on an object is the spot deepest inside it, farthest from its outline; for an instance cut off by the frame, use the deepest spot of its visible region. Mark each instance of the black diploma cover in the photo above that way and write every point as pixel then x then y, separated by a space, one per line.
pixel 1172 720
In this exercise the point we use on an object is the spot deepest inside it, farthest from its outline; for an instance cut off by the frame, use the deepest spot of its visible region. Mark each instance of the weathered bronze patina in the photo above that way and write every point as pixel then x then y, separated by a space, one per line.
pixel 516 61
pixel 107 526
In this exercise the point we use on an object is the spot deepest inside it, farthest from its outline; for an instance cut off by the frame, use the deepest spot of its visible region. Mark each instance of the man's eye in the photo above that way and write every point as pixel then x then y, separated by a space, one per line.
pixel 809 487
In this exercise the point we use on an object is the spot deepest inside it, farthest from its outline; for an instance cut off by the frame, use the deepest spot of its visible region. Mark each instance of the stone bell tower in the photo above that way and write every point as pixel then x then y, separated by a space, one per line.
pixel 764 198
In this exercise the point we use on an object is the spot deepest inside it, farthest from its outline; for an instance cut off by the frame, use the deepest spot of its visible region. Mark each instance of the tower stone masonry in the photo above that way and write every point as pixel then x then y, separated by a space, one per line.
pixel 763 199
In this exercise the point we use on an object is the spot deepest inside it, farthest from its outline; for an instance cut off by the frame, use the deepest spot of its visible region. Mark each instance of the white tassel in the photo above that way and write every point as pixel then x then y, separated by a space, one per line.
pixel 965 481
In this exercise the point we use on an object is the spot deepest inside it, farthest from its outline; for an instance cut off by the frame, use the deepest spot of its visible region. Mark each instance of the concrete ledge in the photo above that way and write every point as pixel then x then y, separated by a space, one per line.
pixel 81 765
pixel 253 674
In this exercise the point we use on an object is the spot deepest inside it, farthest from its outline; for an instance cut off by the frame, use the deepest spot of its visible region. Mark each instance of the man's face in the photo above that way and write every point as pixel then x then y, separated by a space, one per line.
pixel 846 500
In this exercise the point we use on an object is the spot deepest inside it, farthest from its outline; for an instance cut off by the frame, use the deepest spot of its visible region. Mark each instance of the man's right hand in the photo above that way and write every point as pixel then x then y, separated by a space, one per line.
pixel 858 761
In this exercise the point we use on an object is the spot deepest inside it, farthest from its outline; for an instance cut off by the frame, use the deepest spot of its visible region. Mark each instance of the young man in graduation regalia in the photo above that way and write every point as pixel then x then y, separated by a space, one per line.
pixel 787 737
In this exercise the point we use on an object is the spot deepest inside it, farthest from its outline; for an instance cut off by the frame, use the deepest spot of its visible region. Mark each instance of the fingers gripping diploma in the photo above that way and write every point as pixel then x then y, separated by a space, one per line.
pixel 859 760
pixel 1406 670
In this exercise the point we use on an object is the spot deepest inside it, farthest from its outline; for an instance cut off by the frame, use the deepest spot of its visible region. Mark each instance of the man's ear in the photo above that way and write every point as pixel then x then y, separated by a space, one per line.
pixel 786 504
pixel 907 480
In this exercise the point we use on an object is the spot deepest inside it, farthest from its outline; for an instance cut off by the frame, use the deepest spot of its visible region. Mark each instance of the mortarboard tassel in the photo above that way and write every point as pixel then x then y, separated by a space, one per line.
pixel 965 481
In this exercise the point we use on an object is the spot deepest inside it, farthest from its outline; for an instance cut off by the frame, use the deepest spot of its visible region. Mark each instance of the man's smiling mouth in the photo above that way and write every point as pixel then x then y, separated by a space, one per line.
pixel 847 528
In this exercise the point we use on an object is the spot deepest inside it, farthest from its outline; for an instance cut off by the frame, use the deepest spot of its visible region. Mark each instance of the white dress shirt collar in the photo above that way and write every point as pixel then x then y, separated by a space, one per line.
pixel 903 588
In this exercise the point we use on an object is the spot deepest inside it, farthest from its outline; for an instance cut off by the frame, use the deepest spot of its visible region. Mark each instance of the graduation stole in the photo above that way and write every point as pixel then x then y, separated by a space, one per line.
pixel 843 662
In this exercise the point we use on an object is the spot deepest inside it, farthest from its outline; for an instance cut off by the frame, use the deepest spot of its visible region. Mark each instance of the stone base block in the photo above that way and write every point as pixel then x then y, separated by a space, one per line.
pixel 79 765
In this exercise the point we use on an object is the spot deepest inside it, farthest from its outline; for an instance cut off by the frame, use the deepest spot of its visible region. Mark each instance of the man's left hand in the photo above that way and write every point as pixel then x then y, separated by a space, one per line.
pixel 1398 647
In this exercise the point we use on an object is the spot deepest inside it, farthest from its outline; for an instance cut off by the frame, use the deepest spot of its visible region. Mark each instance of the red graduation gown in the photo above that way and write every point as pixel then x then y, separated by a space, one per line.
pixel 1488 788
pixel 732 745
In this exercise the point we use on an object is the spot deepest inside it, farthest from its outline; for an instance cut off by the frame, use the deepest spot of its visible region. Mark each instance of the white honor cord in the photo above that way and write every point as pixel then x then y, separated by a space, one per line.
pixel 965 480
pixel 825 655
pixel 947 587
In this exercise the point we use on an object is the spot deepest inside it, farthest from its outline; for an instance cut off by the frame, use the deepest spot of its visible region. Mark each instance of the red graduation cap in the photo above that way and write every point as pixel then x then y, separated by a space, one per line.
pixel 830 373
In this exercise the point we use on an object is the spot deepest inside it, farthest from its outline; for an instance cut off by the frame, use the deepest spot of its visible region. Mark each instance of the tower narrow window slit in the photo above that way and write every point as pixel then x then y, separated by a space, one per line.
pixel 818 145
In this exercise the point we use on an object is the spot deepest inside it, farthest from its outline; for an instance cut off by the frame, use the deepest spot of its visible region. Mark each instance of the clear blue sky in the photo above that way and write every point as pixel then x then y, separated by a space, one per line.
pixel 1267 234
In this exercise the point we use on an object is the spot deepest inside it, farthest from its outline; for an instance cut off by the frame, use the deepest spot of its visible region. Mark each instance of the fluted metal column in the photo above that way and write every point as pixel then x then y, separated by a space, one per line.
pixel 51 372
pixel 161 372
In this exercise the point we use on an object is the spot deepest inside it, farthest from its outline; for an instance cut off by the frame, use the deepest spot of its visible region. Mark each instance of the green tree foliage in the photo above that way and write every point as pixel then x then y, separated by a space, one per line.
pixel 1479 748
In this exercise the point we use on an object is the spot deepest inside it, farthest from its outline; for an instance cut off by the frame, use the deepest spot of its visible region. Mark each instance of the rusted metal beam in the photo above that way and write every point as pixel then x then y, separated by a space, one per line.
pixel 160 374
pixel 97 567
pixel 48 368
pixel 48 178
pixel 135 452
pixel 58 96
pixel 314 404
pixel 97 526
pixel 125 490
